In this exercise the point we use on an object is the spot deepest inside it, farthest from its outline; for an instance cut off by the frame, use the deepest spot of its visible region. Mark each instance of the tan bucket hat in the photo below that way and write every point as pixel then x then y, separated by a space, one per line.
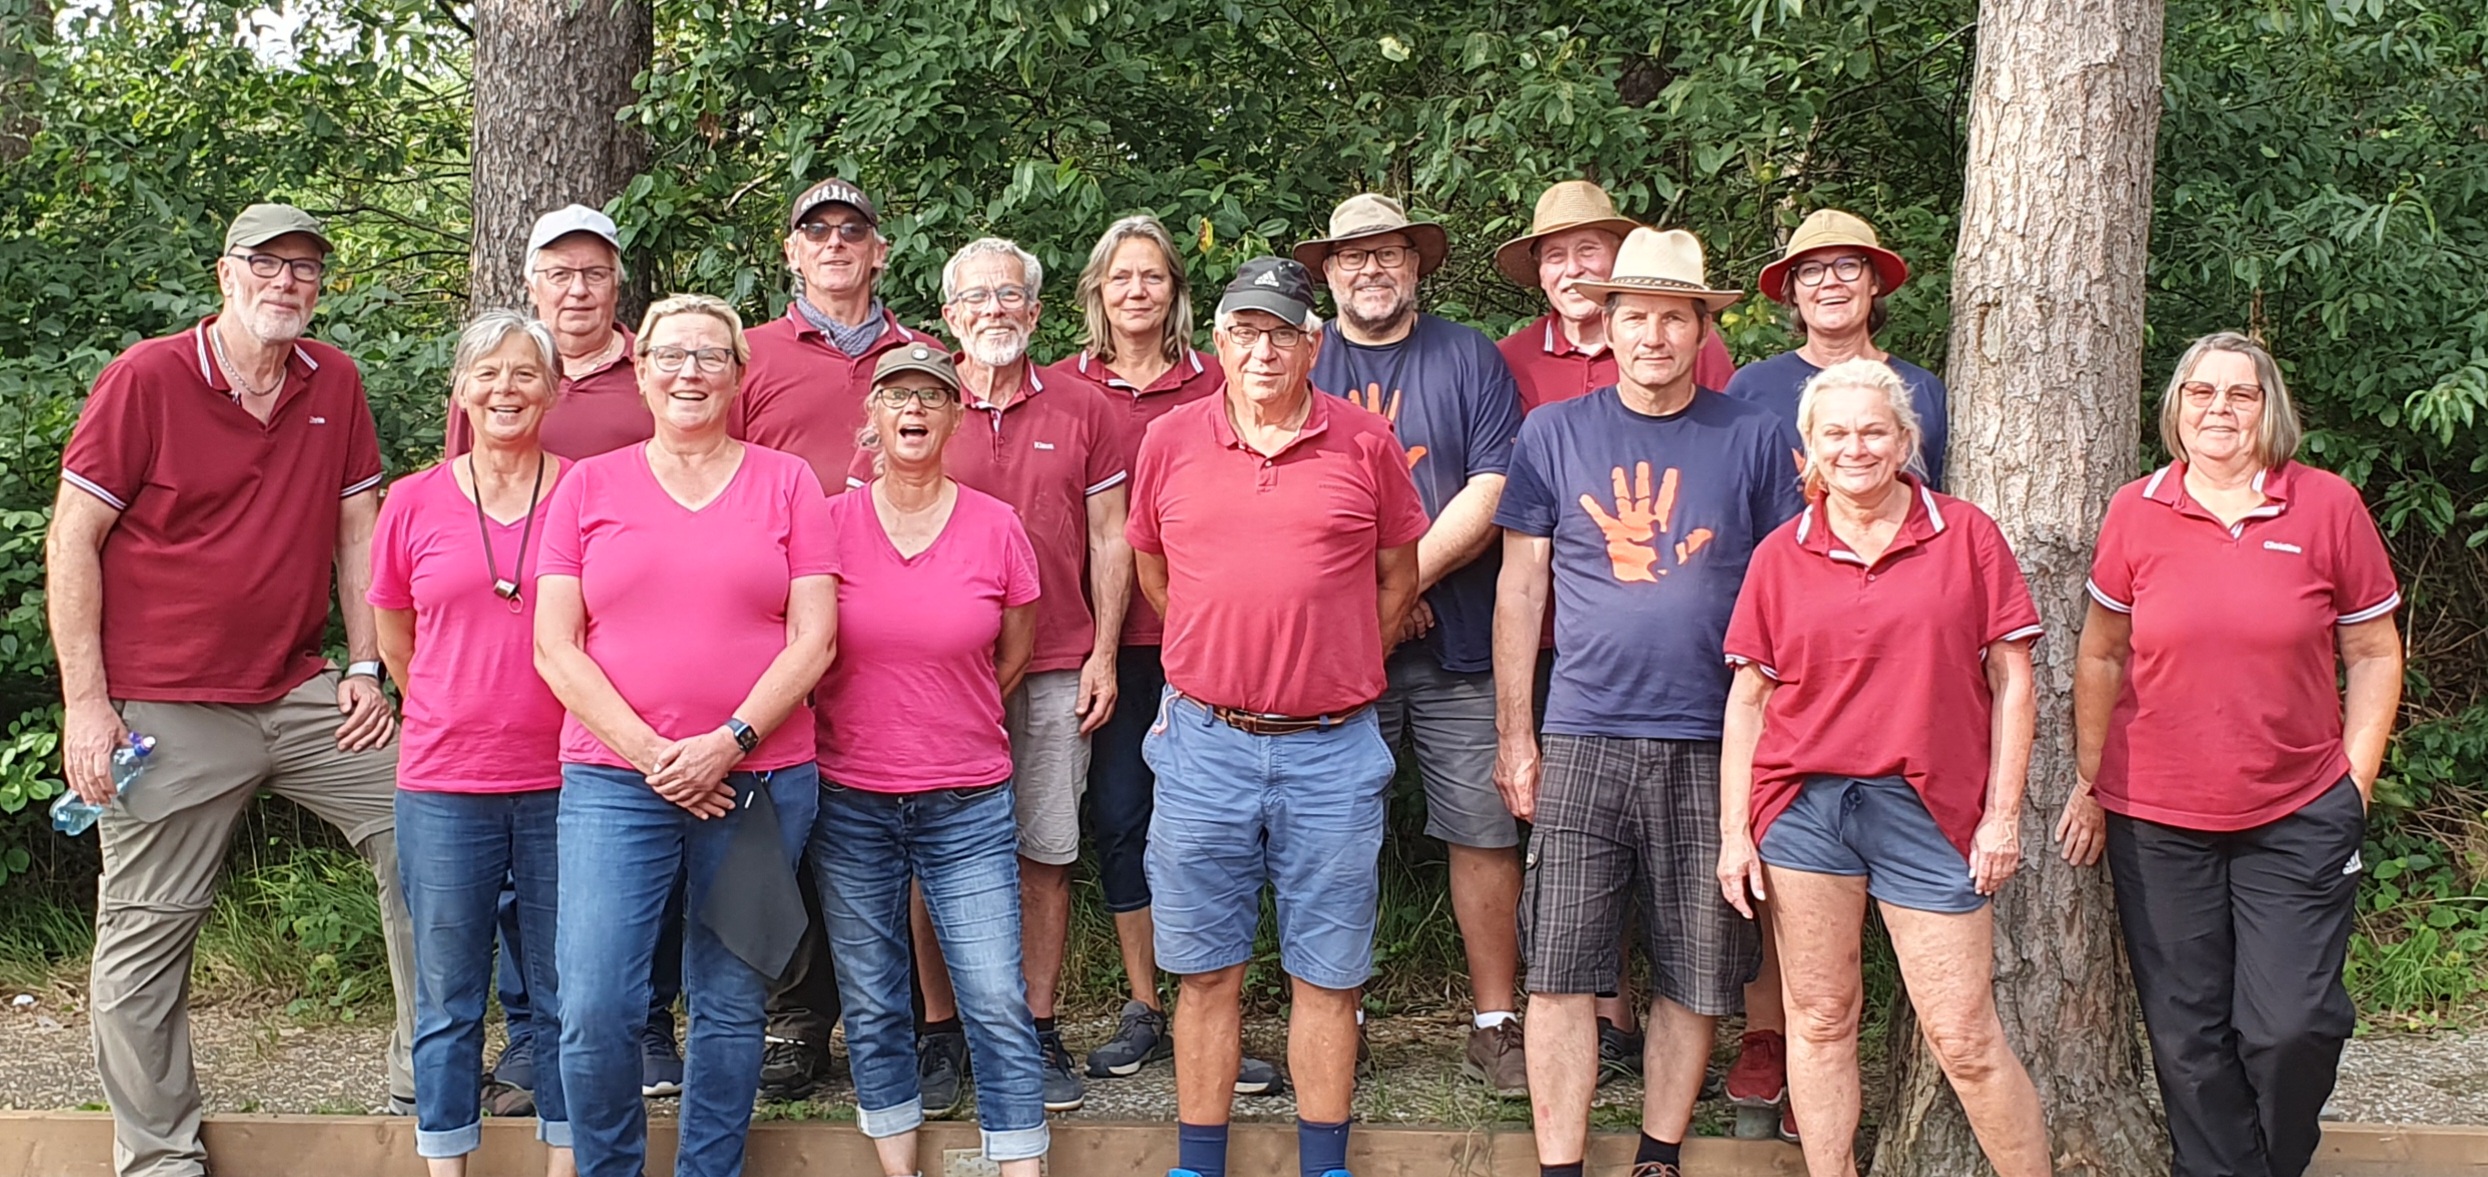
pixel 1367 214
pixel 1659 261
pixel 1828 228
pixel 1573 204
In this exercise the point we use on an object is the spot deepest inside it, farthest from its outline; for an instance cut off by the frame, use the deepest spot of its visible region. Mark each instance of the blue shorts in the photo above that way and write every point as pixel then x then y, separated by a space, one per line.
pixel 1302 813
pixel 1875 827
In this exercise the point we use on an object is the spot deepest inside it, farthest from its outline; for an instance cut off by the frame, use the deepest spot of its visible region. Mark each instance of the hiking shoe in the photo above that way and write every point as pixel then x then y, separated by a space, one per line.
pixel 1619 1053
pixel 1788 1121
pixel 516 1066
pixel 791 1069
pixel 1759 1077
pixel 501 1099
pixel 1257 1077
pixel 941 1072
pixel 1657 1169
pixel 1364 1055
pixel 1496 1058
pixel 396 1105
pixel 1140 1039
pixel 660 1063
pixel 1062 1089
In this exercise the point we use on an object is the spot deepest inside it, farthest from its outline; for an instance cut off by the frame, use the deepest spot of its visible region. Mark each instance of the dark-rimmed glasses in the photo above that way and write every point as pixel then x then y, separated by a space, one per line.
pixel 269 265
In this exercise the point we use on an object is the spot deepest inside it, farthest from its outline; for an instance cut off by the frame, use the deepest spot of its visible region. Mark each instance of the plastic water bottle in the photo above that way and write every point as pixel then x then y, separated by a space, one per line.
pixel 73 814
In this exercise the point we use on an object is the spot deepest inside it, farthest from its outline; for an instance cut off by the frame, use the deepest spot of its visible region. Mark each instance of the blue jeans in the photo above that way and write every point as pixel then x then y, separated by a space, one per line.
pixel 664 974
pixel 621 847
pixel 454 850
pixel 962 847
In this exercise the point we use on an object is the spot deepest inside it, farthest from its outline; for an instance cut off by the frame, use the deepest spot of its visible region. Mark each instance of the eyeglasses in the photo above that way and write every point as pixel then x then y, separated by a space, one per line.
pixel 851 232
pixel 560 277
pixel 2202 395
pixel 1812 273
pixel 672 359
pixel 1282 338
pixel 269 265
pixel 1011 298
pixel 1391 257
pixel 896 396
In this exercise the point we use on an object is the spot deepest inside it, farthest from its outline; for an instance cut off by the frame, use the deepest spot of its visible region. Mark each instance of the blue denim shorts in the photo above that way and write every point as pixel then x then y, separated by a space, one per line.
pixel 1875 827
pixel 1302 813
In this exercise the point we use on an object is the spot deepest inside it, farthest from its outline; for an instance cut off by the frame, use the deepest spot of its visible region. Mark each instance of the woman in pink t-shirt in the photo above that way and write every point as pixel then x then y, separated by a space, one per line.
pixel 478 777
pixel 687 602
pixel 935 594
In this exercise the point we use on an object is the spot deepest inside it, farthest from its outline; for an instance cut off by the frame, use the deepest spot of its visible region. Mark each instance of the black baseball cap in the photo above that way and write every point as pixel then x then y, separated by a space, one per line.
pixel 1278 285
pixel 832 191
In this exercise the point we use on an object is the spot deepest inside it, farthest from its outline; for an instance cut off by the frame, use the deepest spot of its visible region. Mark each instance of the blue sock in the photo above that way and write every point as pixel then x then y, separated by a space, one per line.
pixel 1321 1148
pixel 1201 1148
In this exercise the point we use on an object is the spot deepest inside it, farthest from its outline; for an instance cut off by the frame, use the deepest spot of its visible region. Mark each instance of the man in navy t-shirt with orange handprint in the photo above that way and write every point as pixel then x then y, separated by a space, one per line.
pixel 1640 505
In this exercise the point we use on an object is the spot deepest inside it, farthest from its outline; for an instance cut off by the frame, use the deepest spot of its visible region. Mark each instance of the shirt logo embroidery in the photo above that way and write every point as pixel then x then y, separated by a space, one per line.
pixel 319 420
pixel 2273 545
pixel 1045 445
pixel 1632 546
pixel 1371 400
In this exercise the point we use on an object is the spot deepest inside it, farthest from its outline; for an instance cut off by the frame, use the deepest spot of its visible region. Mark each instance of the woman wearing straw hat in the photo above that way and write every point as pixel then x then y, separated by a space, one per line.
pixel 1563 353
pixel 1833 278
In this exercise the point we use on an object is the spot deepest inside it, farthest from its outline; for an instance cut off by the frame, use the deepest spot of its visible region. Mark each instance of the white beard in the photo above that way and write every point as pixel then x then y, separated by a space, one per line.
pixel 995 351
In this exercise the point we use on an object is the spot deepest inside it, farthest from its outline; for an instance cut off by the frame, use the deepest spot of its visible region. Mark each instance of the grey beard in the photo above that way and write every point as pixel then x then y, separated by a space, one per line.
pixel 1406 310
pixel 994 355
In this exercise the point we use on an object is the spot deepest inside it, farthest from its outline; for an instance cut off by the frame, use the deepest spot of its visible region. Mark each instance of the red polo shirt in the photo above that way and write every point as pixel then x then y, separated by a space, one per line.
pixel 217 574
pixel 1881 668
pixel 1195 376
pixel 805 397
pixel 2230 716
pixel 1271 590
pixel 1549 368
pixel 599 411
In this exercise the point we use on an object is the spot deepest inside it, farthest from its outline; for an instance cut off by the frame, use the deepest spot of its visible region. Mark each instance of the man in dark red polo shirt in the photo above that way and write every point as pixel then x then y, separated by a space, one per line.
pixel 213 480
pixel 574 280
pixel 1563 353
pixel 1276 530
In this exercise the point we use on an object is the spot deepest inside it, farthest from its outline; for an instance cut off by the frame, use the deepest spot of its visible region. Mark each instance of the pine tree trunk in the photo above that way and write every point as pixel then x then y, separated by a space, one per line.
pixel 549 76
pixel 2046 364
pixel 24 24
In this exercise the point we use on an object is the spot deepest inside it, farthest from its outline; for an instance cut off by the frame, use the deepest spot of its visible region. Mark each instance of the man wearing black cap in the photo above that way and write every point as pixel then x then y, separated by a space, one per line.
pixel 1277 531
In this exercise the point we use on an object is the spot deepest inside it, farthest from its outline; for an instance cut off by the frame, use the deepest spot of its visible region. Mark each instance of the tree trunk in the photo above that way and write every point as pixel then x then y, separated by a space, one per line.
pixel 2046 364
pixel 24 25
pixel 549 76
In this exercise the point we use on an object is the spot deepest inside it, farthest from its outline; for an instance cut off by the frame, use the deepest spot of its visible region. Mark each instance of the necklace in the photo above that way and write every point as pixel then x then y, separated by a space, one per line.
pixel 233 372
pixel 506 588
pixel 603 356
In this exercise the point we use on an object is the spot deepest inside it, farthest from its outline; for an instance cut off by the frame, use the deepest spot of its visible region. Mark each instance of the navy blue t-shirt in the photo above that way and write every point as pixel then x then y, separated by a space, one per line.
pixel 1776 383
pixel 1653 521
pixel 1452 400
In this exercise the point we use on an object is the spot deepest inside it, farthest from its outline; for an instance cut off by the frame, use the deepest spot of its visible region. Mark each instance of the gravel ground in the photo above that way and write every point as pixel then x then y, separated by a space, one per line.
pixel 255 1059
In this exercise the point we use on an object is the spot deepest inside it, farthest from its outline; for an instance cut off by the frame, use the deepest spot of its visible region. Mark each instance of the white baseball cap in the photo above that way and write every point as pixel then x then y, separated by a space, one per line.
pixel 569 219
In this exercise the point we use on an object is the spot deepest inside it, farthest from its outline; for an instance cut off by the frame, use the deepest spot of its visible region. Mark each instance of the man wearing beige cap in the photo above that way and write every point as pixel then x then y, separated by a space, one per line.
pixel 1563 353
pixel 1449 396
pixel 213 481
pixel 1636 508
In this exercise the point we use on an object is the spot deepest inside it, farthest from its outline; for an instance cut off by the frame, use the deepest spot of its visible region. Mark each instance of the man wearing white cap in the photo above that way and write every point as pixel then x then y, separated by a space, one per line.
pixel 1639 505
pixel 574 280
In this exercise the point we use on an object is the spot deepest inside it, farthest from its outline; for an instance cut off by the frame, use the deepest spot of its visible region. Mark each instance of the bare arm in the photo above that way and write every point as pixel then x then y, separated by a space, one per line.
pixel 1995 849
pixel 1740 867
pixel 1110 595
pixel 580 684
pixel 1520 611
pixel 1395 577
pixel 73 593
pixel 2372 652
pixel 1015 647
pixel 2098 677
pixel 1150 569
pixel 397 643
pixel 370 721
pixel 1461 533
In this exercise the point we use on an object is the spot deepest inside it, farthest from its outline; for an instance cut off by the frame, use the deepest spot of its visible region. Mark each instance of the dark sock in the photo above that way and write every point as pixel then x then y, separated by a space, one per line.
pixel 1321 1148
pixel 1045 1025
pixel 1571 1170
pixel 1657 1150
pixel 1201 1148
pixel 948 1025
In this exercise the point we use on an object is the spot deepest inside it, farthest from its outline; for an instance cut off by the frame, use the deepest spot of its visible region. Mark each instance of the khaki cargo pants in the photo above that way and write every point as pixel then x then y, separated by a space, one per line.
pixel 163 851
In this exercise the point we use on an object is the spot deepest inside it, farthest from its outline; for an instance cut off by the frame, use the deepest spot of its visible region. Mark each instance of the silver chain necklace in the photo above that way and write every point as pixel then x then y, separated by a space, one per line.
pixel 233 372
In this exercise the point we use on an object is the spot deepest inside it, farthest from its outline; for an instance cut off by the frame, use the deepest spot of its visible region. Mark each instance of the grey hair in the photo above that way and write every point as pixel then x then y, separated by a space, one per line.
pixel 1312 324
pixel 487 331
pixel 620 272
pixel 2276 436
pixel 1872 376
pixel 1176 336
pixel 697 304
pixel 1031 271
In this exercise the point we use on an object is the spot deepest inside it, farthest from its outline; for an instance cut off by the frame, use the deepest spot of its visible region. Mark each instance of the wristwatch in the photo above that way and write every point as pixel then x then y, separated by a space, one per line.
pixel 744 737
pixel 370 670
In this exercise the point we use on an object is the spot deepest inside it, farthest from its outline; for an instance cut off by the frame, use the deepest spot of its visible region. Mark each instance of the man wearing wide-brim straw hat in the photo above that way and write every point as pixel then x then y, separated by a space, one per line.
pixel 1451 399
pixel 1563 353
pixel 1636 508
pixel 1833 278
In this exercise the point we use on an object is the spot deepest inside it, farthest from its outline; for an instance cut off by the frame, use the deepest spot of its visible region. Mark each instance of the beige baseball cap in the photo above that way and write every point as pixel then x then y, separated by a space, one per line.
pixel 262 223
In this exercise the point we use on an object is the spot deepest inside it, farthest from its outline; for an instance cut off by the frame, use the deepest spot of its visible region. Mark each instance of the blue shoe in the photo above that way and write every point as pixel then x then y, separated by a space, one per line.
pixel 1181 1173
pixel 1338 1173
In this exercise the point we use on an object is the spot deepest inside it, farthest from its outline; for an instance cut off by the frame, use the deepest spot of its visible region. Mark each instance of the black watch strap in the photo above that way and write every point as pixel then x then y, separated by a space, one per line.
pixel 744 737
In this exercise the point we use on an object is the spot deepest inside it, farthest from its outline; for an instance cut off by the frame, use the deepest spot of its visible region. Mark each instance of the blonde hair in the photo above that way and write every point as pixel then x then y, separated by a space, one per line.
pixel 1175 336
pixel 2276 435
pixel 1872 376
pixel 697 304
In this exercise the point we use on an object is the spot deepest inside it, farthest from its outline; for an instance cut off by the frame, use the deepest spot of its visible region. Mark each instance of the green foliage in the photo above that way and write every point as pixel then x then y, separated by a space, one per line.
pixel 2422 950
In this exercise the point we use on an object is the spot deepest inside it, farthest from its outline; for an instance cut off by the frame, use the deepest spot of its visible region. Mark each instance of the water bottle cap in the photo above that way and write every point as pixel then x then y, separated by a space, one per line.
pixel 141 745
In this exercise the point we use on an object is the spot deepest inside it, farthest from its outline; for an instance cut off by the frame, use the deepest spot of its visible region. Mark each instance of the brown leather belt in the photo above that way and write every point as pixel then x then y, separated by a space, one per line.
pixel 1259 723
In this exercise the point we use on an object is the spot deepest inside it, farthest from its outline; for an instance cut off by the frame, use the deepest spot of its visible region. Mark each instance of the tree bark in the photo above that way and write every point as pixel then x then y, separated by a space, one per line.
pixel 2046 368
pixel 24 25
pixel 549 77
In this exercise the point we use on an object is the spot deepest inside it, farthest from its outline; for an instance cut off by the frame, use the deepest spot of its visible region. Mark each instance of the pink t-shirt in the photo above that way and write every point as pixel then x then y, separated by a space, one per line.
pixel 478 720
pixel 686 609
pixel 911 704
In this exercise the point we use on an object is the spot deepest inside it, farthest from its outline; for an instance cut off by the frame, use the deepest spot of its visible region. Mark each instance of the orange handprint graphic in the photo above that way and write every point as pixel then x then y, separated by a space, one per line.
pixel 1371 400
pixel 1638 518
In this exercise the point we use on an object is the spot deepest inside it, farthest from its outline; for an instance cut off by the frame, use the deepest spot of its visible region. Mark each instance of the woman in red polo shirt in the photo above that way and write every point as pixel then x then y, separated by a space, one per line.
pixel 2232 770
pixel 1875 746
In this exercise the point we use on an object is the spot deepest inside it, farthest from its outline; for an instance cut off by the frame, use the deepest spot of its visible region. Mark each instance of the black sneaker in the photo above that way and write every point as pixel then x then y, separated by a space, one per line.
pixel 1140 1039
pixel 660 1062
pixel 942 1072
pixel 1062 1089
pixel 516 1066
pixel 791 1069
pixel 1619 1054
pixel 1257 1077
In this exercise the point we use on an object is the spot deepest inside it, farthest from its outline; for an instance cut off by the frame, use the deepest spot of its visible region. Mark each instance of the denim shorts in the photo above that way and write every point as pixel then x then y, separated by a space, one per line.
pixel 1875 827
pixel 1302 813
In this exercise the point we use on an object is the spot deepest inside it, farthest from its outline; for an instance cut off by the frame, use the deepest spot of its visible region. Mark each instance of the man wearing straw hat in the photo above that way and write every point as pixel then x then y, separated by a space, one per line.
pixel 1563 353
pixel 1448 394
pixel 1638 506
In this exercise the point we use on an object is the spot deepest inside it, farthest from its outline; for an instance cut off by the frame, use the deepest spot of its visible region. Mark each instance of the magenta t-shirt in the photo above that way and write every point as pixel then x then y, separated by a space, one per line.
pixel 912 703
pixel 477 719
pixel 686 609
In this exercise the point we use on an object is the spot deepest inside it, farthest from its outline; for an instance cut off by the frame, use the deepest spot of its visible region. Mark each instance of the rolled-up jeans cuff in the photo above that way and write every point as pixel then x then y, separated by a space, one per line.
pixel 1016 1144
pixel 554 1133
pixel 456 1142
pixel 883 1123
